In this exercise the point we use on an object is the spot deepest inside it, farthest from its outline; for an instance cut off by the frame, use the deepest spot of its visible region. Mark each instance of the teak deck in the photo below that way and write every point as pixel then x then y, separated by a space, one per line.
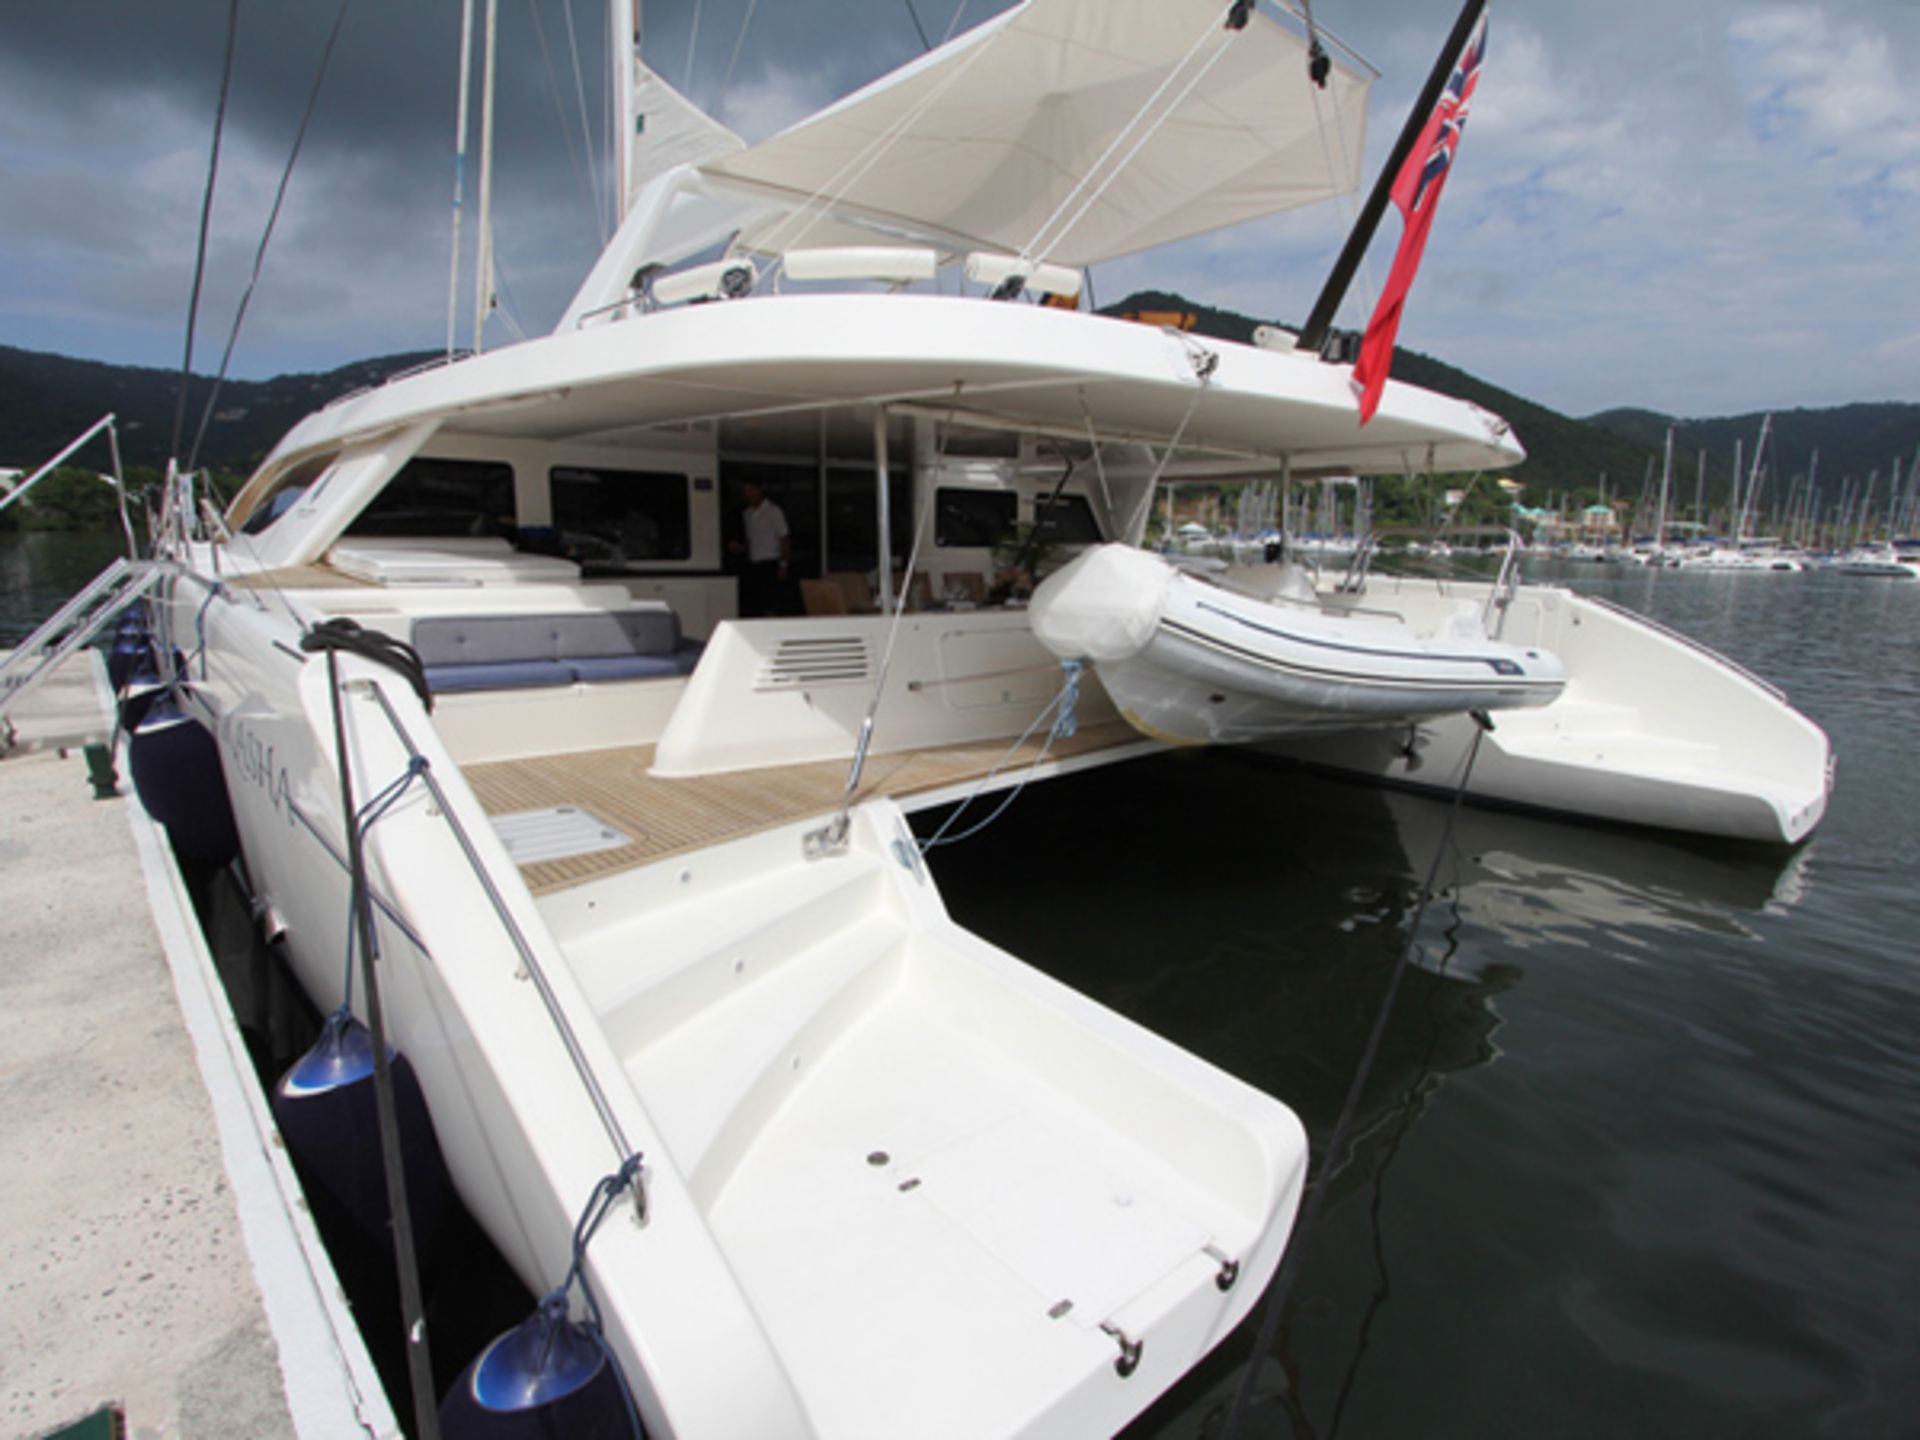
pixel 668 817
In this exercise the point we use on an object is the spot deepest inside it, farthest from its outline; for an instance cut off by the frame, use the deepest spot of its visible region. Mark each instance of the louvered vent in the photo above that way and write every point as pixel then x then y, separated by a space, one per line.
pixel 824 660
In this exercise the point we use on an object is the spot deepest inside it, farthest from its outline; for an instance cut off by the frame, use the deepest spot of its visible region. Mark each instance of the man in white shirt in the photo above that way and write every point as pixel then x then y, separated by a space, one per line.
pixel 768 579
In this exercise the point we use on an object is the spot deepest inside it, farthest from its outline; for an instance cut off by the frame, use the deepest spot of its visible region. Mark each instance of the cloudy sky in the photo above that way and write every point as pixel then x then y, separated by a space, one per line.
pixel 1698 206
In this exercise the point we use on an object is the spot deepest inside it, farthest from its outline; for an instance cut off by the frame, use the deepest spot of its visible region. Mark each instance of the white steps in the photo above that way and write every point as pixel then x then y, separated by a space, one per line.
pixel 717 1002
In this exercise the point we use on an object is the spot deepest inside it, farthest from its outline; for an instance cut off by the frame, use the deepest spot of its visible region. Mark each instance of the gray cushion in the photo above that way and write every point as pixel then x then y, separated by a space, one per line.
pixel 473 652
pixel 650 632
pixel 622 667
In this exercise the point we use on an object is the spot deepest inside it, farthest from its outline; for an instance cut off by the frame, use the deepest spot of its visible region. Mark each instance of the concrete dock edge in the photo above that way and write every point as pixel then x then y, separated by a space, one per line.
pixel 135 1214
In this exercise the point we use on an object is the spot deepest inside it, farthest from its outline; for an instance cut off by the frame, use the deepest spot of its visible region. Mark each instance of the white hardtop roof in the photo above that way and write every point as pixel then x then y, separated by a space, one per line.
pixel 1073 131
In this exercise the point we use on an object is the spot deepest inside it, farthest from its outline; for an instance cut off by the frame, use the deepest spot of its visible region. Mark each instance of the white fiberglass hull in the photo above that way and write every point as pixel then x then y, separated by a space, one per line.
pixel 1881 564
pixel 898 1182
pixel 1651 730
pixel 1192 662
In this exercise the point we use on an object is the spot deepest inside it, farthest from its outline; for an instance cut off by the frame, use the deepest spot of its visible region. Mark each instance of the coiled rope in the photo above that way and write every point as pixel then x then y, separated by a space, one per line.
pixel 342 633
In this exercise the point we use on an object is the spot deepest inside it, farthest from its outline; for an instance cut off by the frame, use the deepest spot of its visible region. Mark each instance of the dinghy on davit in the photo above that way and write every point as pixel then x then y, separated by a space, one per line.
pixel 1192 658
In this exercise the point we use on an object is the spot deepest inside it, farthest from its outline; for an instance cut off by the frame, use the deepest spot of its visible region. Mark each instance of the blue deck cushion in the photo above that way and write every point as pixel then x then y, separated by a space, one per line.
pixel 498 675
pixel 623 667
pixel 481 652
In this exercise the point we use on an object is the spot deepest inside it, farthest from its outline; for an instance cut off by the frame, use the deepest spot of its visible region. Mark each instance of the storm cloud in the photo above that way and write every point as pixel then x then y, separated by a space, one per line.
pixel 1700 209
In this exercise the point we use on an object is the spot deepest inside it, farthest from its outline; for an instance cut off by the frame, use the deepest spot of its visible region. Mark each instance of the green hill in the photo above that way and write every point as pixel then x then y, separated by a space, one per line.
pixel 1568 455
pixel 49 399
pixel 1853 441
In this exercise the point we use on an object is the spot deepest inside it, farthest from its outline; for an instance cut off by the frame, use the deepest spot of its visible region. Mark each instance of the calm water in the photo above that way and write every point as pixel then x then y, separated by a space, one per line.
pixel 40 569
pixel 1641 1154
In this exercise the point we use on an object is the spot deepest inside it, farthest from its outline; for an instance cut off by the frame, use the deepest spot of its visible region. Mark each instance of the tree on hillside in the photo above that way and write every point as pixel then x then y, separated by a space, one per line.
pixel 70 499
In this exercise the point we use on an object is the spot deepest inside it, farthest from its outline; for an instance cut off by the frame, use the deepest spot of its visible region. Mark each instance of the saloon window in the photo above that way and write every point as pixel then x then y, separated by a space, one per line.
pixel 1068 521
pixel 615 518
pixel 447 498
pixel 286 493
pixel 973 518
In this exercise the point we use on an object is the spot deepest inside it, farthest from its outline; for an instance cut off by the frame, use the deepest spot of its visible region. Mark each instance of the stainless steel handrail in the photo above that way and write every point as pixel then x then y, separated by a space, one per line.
pixel 1506 582
pixel 18 492
pixel 528 960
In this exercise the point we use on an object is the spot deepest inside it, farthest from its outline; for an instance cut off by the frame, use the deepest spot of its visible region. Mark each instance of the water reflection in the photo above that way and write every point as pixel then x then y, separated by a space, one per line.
pixel 1536 881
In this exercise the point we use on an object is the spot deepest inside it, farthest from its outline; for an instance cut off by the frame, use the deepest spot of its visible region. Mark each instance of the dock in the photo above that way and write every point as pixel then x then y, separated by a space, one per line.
pixel 155 1255
pixel 63 711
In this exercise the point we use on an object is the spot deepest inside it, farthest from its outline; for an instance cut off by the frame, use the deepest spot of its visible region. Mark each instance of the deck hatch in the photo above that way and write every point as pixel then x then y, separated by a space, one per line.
pixel 559 832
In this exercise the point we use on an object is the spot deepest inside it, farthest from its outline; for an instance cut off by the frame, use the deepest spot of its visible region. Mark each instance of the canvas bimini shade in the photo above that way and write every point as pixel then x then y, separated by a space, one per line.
pixel 1073 131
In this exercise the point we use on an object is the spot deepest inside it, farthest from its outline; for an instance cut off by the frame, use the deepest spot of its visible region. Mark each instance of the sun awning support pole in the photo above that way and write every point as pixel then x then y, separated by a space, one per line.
pixel 883 509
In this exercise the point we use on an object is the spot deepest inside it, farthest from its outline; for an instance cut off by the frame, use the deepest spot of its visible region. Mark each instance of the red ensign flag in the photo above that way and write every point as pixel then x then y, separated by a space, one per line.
pixel 1417 191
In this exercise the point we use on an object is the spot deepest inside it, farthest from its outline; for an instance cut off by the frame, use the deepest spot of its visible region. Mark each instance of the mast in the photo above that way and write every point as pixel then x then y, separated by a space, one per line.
pixel 1808 504
pixel 1861 522
pixel 1666 479
pixel 459 167
pixel 623 46
pixel 1733 505
pixel 1753 477
pixel 483 259
pixel 1314 332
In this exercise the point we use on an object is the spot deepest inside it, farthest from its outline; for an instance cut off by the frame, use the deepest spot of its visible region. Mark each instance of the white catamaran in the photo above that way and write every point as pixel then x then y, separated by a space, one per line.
pixel 641 874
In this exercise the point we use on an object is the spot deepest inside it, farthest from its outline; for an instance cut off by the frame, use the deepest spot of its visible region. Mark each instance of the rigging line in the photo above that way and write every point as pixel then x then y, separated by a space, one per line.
pixel 1349 207
pixel 1349 1110
pixel 1099 465
pixel 1057 714
pixel 206 219
pixel 693 39
pixel 586 126
pixel 509 312
pixel 1136 523
pixel 266 235
pixel 954 23
pixel 815 207
pixel 1033 246
pixel 1139 145
pixel 925 43
pixel 587 189
pixel 734 59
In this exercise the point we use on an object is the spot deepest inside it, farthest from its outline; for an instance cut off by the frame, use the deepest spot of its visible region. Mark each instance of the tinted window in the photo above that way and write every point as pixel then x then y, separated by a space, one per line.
pixel 853 522
pixel 973 517
pixel 621 517
pixel 1068 521
pixel 442 497
pixel 286 493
